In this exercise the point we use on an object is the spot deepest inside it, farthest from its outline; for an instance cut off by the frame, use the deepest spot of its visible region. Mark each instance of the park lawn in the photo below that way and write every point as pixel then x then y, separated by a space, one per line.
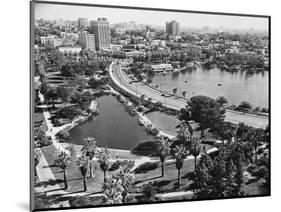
pixel 168 183
pixel 38 116
pixel 74 177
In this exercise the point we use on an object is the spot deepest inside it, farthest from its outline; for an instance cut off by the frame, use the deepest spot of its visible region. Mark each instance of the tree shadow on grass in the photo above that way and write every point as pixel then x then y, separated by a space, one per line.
pixel 70 180
pixel 161 183
pixel 153 178
pixel 49 166
pixel 50 182
pixel 189 176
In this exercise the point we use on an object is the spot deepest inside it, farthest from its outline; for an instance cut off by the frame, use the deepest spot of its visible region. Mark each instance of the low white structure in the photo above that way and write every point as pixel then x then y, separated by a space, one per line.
pixel 70 49
pixel 157 68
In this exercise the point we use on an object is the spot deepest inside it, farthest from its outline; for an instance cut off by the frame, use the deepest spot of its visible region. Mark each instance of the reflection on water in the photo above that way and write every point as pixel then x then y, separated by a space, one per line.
pixel 113 127
pixel 236 87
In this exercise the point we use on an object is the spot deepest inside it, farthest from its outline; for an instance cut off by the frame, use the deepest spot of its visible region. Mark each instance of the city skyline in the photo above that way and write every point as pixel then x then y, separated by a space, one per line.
pixel 156 18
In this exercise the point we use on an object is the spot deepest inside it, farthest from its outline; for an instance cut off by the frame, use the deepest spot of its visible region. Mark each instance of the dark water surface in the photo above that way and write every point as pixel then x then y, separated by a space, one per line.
pixel 236 87
pixel 113 127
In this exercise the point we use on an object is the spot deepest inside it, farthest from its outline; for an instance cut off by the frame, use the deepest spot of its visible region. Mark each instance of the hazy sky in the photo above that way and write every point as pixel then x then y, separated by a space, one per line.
pixel 158 18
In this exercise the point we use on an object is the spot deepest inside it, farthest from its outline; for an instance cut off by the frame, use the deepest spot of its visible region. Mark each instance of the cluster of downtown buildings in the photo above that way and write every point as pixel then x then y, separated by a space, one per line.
pixel 130 40
pixel 95 35
pixel 97 38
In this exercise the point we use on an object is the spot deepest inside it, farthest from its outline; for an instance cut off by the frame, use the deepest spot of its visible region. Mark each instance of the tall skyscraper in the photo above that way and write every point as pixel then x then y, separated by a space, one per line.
pixel 172 28
pixel 87 41
pixel 101 30
pixel 82 23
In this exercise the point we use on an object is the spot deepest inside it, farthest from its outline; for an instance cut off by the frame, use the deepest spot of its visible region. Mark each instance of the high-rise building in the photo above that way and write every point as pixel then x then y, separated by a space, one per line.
pixel 82 24
pixel 101 30
pixel 172 28
pixel 87 41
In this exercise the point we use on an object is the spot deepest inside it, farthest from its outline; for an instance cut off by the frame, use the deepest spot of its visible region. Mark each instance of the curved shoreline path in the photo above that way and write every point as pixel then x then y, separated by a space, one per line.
pixel 138 89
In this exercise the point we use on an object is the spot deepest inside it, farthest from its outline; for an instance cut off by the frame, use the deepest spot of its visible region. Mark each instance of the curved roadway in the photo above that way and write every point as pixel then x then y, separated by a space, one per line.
pixel 137 89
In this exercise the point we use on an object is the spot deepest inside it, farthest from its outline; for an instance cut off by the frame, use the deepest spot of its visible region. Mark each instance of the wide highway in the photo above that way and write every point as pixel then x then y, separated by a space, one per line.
pixel 138 89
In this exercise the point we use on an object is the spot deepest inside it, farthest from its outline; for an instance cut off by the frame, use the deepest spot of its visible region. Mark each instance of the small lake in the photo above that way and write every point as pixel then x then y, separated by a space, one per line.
pixel 236 87
pixel 113 127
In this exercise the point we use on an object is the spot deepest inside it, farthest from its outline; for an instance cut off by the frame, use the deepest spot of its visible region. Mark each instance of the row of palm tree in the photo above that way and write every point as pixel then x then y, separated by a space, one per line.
pixel 89 151
pixel 179 153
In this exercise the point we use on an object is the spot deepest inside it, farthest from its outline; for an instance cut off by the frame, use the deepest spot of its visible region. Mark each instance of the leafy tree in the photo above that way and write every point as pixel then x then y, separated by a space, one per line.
pixel 195 150
pixel 184 94
pixel 83 164
pixel 164 149
pixel 103 158
pixel 203 177
pixel 256 137
pixel 184 133
pixel 64 93
pixel 206 111
pixel 89 149
pixel 63 161
pixel 226 131
pixel 126 180
pixel 179 154
pixel 245 106
pixel 222 100
pixel 67 71
pixel 149 193
pixel 51 94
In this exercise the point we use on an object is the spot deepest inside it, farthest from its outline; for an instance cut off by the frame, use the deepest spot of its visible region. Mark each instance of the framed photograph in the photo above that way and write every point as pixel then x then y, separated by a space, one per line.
pixel 134 105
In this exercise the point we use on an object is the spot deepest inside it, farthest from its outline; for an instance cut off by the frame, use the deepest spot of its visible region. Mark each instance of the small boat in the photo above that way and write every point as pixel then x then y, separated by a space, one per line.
pixel 185 81
pixel 219 84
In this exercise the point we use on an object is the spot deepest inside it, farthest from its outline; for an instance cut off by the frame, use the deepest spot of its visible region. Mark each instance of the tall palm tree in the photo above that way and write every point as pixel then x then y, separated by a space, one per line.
pixel 179 155
pixel 112 191
pixel 63 161
pixel 103 158
pixel 195 150
pixel 89 149
pixel 164 149
pixel 83 164
pixel 126 180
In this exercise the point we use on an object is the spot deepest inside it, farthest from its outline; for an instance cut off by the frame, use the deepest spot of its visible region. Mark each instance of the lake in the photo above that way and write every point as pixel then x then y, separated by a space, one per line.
pixel 113 127
pixel 236 87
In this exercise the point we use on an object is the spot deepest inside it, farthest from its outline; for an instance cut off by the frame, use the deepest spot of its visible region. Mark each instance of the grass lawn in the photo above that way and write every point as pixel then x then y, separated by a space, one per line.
pixel 75 180
pixel 168 183
pixel 38 117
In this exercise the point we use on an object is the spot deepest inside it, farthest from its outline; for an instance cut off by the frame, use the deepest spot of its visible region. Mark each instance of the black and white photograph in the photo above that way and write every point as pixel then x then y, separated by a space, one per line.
pixel 136 105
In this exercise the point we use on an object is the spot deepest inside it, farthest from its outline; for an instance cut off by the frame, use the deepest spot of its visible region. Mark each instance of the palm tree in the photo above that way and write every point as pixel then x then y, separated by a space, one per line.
pixel 63 161
pixel 83 164
pixel 126 180
pixel 179 155
pixel 163 151
pixel 195 150
pixel 175 90
pixel 112 191
pixel 89 149
pixel 103 156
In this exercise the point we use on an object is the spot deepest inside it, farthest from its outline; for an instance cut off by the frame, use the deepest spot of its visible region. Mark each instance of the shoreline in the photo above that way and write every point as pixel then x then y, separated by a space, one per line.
pixel 146 122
